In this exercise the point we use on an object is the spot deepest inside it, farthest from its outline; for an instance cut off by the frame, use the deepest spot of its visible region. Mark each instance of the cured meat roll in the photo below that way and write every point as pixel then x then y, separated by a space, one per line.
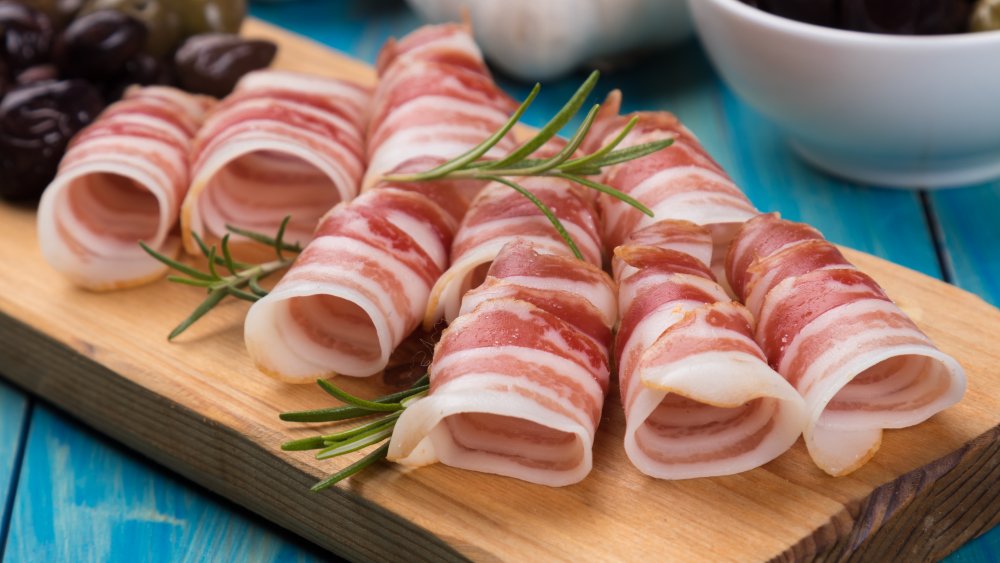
pixel 499 215
pixel 361 286
pixel 122 180
pixel 857 359
pixel 519 378
pixel 700 399
pixel 682 182
pixel 281 144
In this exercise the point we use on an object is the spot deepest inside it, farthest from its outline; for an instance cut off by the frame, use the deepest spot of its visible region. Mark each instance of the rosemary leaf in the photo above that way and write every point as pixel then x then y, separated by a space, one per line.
pixel 211 301
pixel 348 412
pixel 604 188
pixel 253 283
pixel 211 264
pixel 341 448
pixel 563 155
pixel 584 161
pixel 363 430
pixel 357 401
pixel 263 239
pixel 376 455
pixel 227 257
pixel 190 281
pixel 632 153
pixel 556 223
pixel 310 443
pixel 240 294
pixel 183 268
pixel 279 239
pixel 553 126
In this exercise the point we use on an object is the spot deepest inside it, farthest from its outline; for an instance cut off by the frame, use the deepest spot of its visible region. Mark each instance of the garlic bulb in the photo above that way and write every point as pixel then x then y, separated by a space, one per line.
pixel 540 39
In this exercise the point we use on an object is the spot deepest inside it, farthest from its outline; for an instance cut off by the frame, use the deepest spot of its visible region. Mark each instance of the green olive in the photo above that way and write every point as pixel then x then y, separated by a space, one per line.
pixel 162 18
pixel 985 16
pixel 206 16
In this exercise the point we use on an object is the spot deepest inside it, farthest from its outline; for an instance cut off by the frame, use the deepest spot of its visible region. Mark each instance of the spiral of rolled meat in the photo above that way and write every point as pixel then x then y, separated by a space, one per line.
pixel 362 284
pixel 859 362
pixel 519 379
pixel 122 180
pixel 700 399
pixel 282 144
pixel 499 215
pixel 681 182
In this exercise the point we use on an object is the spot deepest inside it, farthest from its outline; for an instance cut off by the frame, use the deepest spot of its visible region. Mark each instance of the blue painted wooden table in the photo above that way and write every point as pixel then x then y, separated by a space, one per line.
pixel 68 494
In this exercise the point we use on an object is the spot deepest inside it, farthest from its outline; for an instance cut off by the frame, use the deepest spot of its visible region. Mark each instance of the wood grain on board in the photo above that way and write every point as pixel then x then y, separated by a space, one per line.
pixel 198 406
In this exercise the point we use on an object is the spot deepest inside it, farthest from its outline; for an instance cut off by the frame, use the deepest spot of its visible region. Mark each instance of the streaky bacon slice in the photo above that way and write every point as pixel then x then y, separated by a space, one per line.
pixel 857 359
pixel 499 215
pixel 282 144
pixel 122 180
pixel 699 397
pixel 519 379
pixel 361 286
pixel 682 182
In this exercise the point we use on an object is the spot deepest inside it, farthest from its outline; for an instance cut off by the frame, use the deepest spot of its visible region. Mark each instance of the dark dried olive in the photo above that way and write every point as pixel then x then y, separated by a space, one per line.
pixel 162 19
pixel 212 63
pixel 905 17
pixel 37 73
pixel 4 77
pixel 36 123
pixel 98 44
pixel 819 12
pixel 141 69
pixel 985 16
pixel 26 34
pixel 205 16
pixel 60 12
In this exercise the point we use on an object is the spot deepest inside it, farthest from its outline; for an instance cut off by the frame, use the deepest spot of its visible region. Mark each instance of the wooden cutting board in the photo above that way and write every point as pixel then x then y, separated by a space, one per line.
pixel 198 406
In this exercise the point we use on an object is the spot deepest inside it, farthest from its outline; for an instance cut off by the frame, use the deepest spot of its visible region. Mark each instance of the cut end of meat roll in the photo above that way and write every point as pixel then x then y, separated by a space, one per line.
pixel 282 144
pixel 121 181
pixel 700 399
pixel 355 292
pixel 859 362
pixel 519 378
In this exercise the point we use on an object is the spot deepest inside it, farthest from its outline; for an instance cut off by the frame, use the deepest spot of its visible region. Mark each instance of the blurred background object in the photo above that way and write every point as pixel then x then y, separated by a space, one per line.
pixel 538 40
pixel 888 109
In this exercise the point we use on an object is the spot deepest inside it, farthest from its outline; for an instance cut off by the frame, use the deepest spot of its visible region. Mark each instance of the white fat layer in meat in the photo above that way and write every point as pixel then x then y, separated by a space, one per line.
pixel 601 296
pixel 305 83
pixel 466 361
pixel 212 124
pixel 422 233
pixel 151 122
pixel 422 437
pixel 440 141
pixel 920 382
pixel 507 229
pixel 447 294
pixel 419 107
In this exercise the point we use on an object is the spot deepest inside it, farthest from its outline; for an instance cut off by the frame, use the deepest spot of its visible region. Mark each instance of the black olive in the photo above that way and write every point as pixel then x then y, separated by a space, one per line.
pixel 212 63
pixel 819 12
pixel 37 73
pixel 142 69
pixel 4 77
pixel 36 123
pixel 98 44
pixel 905 17
pixel 26 35
pixel 162 19
pixel 61 12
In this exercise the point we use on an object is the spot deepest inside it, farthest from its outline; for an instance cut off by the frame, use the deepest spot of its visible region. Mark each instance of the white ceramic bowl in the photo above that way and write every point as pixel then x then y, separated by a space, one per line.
pixel 904 111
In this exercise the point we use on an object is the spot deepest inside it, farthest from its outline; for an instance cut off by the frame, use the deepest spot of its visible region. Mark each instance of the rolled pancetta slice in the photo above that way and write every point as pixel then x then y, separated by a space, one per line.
pixel 681 182
pixel 858 361
pixel 519 378
pixel 282 144
pixel 699 397
pixel 122 180
pixel 499 215
pixel 361 286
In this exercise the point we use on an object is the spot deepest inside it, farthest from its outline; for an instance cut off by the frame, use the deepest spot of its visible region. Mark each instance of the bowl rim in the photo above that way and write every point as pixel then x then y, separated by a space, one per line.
pixel 803 29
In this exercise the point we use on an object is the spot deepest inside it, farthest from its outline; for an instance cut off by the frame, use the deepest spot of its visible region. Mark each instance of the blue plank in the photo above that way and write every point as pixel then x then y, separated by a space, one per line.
pixel 969 221
pixel 14 409
pixel 82 498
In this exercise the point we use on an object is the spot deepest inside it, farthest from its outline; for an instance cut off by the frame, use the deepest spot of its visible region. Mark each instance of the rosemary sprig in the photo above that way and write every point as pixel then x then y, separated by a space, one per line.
pixel 390 407
pixel 470 165
pixel 242 280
